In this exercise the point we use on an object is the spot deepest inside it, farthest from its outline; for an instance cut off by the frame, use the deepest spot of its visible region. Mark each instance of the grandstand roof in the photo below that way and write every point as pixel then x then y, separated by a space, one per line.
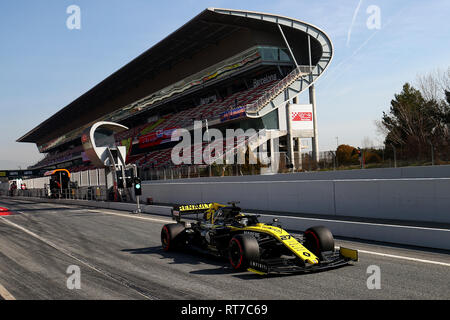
pixel 206 29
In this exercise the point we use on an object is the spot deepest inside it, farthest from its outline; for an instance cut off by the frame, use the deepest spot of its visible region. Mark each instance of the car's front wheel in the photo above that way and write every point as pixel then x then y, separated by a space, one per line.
pixel 319 239
pixel 242 249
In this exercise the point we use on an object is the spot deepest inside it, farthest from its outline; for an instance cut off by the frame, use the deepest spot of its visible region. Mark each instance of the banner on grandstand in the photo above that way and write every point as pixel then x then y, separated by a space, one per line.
pixel 264 80
pixel 156 138
pixel 232 114
pixel 301 118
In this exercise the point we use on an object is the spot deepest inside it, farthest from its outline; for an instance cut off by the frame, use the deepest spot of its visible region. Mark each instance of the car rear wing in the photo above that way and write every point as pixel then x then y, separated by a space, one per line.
pixel 178 211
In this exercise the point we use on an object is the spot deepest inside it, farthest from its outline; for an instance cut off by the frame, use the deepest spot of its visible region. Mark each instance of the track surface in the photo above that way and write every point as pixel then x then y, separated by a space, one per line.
pixel 120 257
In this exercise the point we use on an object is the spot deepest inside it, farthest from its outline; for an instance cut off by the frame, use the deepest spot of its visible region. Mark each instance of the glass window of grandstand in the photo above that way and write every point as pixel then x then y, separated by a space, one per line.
pixel 275 54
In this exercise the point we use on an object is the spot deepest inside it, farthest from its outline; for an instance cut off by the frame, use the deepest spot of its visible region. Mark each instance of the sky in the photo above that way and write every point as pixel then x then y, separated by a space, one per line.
pixel 44 65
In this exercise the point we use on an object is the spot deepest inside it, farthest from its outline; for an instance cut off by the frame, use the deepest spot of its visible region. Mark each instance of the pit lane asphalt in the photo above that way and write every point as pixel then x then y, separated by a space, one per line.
pixel 120 257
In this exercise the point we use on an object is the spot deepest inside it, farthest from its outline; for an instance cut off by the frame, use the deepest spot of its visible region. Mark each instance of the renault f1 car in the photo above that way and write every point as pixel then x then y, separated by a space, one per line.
pixel 225 231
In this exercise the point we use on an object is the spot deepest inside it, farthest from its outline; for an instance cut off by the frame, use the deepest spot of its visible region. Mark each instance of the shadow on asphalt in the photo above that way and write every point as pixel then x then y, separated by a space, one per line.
pixel 188 256
pixel 193 257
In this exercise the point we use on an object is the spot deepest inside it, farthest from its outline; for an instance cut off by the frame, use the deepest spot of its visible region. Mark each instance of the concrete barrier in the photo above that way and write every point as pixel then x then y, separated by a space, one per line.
pixel 421 199
pixel 398 234
pixel 401 199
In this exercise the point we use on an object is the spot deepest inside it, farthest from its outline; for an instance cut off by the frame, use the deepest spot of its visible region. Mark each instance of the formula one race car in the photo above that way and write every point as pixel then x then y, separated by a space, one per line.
pixel 226 231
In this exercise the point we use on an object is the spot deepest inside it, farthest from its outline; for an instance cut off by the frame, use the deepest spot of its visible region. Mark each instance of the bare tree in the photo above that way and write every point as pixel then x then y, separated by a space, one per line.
pixel 367 143
pixel 434 84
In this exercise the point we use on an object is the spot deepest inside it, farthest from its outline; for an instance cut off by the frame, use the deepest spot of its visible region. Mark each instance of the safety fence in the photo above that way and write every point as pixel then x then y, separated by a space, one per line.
pixel 85 185
pixel 88 178
pixel 99 193
pixel 368 158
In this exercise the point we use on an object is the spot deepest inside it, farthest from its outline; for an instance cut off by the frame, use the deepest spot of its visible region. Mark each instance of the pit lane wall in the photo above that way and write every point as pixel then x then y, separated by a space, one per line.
pixel 411 194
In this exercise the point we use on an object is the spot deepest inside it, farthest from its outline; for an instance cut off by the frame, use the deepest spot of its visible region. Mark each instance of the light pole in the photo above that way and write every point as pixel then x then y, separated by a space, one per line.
pixel 334 160
pixel 337 147
pixel 432 152
pixel 395 155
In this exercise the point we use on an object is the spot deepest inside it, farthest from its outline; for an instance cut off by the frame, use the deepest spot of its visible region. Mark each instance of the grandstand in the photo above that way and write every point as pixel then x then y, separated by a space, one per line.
pixel 233 68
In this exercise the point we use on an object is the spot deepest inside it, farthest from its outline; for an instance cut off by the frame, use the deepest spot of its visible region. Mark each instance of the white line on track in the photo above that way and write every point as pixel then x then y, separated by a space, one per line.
pixel 132 216
pixel 405 258
pixel 69 254
pixel 5 294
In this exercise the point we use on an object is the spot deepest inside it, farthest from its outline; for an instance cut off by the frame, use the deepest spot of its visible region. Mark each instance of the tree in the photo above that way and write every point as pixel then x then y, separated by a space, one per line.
pixel 435 88
pixel 415 123
pixel 371 157
pixel 346 155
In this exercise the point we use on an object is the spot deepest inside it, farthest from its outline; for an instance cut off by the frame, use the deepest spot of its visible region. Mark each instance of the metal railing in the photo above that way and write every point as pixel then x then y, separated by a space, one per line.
pixel 298 72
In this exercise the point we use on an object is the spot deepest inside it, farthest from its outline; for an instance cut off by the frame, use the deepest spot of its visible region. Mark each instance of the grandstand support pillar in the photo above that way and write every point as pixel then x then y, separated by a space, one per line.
pixel 114 175
pixel 315 140
pixel 274 154
pixel 290 140
pixel 300 161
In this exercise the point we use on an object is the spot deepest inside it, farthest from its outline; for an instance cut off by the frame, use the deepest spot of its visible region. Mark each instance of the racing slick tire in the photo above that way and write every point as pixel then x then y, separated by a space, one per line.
pixel 242 249
pixel 172 236
pixel 319 239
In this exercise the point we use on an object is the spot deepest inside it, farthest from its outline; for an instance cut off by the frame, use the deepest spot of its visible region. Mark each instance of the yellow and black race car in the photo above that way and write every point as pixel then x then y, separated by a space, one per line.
pixel 250 245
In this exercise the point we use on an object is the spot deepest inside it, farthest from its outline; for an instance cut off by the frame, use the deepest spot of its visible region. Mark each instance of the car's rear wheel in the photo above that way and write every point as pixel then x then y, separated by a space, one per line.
pixel 319 239
pixel 242 249
pixel 172 236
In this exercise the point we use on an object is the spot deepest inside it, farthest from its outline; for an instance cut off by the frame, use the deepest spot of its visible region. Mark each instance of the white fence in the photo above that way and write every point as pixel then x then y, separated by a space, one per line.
pixel 89 178
pixel 37 183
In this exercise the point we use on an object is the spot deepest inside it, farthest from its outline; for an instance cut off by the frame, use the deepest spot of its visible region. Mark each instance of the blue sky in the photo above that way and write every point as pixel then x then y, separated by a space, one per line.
pixel 44 65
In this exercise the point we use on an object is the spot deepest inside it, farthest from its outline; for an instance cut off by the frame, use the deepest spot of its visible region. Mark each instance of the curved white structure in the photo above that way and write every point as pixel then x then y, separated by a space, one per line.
pixel 300 78
pixel 97 138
